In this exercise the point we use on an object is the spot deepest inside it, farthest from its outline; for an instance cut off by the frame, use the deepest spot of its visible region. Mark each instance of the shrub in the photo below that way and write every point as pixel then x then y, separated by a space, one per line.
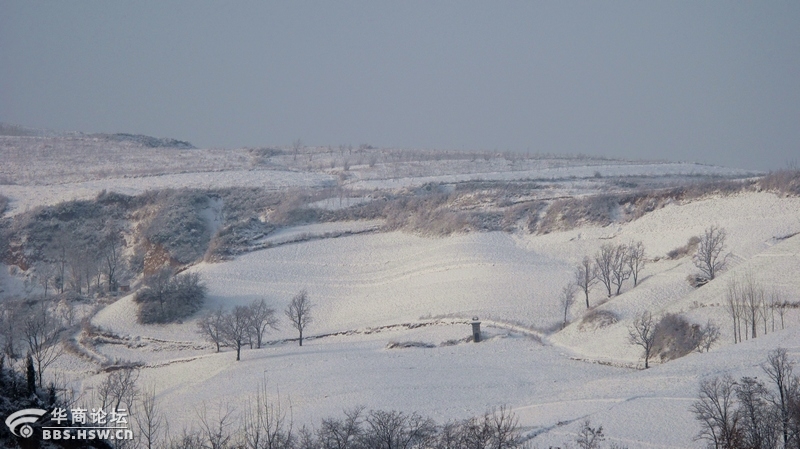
pixel 683 251
pixel 168 298
pixel 598 319
pixel 178 226
pixel 236 237
pixel 675 337
pixel 696 281
pixel 573 212
pixel 80 224
pixel 782 181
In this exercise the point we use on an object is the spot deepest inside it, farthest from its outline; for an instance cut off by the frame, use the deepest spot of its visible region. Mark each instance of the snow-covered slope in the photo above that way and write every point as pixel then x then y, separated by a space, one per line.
pixel 366 287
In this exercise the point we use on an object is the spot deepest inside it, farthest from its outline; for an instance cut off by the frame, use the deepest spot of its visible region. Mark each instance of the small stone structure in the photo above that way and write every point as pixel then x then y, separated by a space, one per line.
pixel 476 329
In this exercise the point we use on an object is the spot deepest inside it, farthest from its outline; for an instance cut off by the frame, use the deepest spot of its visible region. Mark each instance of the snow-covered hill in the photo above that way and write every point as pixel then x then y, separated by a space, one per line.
pixel 392 310
pixel 363 283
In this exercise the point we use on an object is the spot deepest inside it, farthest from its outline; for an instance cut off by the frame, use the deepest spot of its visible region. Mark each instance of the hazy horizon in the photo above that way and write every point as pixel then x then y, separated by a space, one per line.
pixel 683 81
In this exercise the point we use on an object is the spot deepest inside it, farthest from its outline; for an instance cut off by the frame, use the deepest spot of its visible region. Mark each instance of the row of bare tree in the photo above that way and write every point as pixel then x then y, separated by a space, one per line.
pixel 750 307
pixel 241 326
pixel 78 264
pixel 264 423
pixel 615 264
pixel 247 325
pixel 267 425
pixel 751 413
pixel 612 266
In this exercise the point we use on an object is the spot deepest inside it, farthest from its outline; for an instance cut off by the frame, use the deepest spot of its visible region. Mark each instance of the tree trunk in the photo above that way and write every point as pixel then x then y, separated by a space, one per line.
pixel 39 373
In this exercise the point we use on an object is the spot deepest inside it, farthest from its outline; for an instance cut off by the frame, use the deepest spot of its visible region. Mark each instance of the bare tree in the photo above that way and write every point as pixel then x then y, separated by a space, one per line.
pixel 262 317
pixel 604 264
pixel 636 260
pixel 757 428
pixel 299 312
pixel 745 318
pixel 215 430
pixel 764 312
pixel 746 304
pixel 168 299
pixel 774 304
pixel 111 251
pixel 503 428
pixel 781 306
pixel 342 433
pixel 212 327
pixel 708 257
pixel 732 307
pixel 42 332
pixel 76 259
pixel 59 249
pixel 44 274
pixel 389 430
pixel 715 410
pixel 188 439
pixel 619 267
pixel 158 287
pixel 236 329
pixel 265 424
pixel 450 436
pixel 149 419
pixel 305 439
pixel 11 315
pixel 642 333
pixel 590 437
pixel 709 334
pixel 779 370
pixel 752 295
pixel 119 388
pixel 585 277
pixel 90 266
pixel 297 145
pixel 65 312
pixel 567 299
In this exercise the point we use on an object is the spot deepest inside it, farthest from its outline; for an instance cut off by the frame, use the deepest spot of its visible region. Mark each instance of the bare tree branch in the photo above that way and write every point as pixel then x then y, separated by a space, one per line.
pixel 299 312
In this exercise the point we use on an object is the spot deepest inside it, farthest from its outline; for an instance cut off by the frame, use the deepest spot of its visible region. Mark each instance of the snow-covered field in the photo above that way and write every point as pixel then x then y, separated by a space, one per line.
pixel 44 171
pixel 377 288
pixel 367 282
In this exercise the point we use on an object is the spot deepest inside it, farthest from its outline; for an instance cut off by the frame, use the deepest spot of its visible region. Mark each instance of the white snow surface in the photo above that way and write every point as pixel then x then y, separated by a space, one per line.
pixel 373 289
pixel 360 284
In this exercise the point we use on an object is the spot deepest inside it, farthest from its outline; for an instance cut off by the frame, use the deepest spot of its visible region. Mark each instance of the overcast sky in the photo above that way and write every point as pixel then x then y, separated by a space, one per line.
pixel 713 82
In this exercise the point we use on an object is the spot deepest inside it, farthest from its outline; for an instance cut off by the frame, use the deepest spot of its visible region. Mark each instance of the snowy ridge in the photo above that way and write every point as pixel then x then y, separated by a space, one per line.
pixel 375 281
